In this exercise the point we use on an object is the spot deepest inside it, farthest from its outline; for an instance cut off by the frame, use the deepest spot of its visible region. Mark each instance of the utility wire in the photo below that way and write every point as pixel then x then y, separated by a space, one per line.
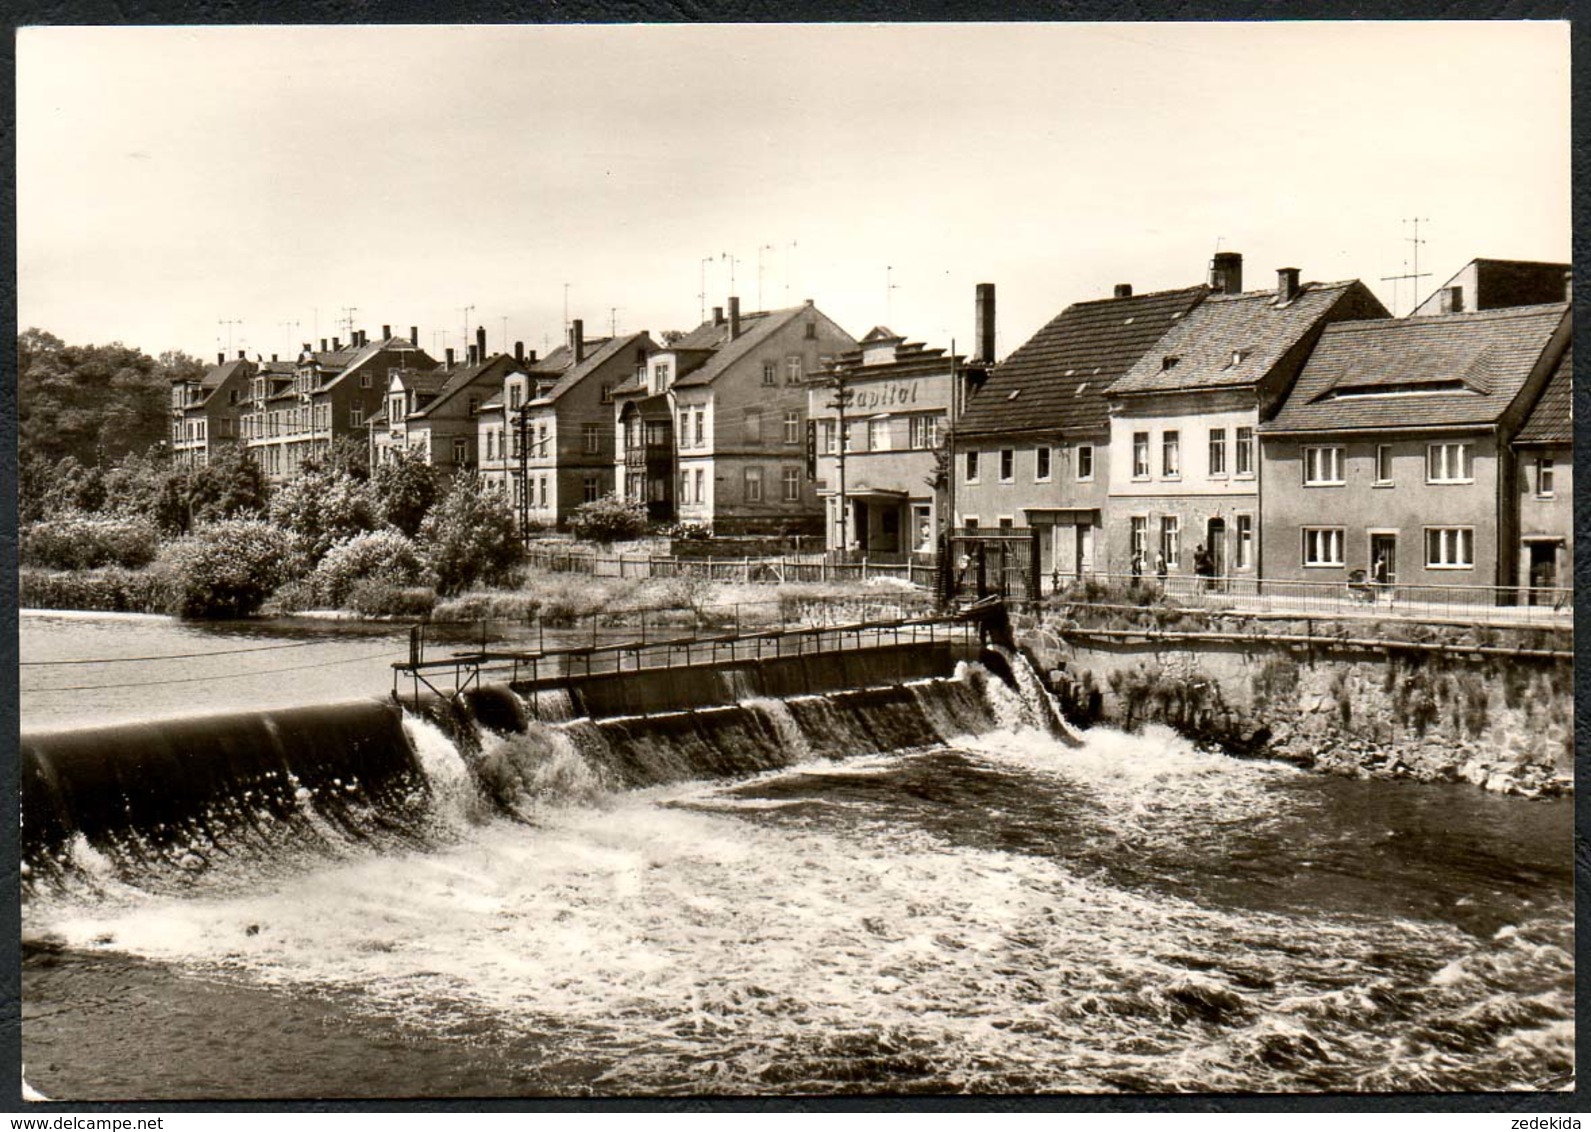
pixel 208 676
pixel 191 655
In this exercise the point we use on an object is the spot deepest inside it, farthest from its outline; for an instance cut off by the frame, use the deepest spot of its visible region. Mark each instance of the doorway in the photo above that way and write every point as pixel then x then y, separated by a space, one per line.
pixel 1543 572
pixel 1215 542
pixel 1384 549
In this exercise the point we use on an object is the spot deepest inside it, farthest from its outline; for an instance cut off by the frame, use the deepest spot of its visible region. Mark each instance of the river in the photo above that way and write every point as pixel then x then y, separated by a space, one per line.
pixel 990 911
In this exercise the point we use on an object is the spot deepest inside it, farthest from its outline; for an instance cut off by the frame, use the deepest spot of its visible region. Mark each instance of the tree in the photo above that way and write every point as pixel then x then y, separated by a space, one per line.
pixel 388 557
pixel 230 485
pixel 95 403
pixel 226 569
pixel 403 490
pixel 469 536
pixel 322 507
pixel 609 519
pixel 344 456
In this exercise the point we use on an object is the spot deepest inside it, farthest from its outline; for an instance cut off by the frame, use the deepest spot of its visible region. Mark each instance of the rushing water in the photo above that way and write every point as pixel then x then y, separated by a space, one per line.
pixel 907 890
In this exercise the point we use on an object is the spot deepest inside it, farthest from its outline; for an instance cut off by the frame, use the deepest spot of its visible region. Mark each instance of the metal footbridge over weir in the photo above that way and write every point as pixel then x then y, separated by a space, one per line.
pixel 458 670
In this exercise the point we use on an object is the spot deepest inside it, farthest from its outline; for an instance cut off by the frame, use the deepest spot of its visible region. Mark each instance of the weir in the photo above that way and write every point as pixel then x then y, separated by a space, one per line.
pixel 169 803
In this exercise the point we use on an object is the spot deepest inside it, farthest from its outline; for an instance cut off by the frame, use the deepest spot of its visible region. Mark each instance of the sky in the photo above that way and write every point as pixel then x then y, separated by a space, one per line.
pixel 209 189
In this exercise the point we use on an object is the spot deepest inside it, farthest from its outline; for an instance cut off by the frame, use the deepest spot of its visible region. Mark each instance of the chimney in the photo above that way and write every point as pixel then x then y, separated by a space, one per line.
pixel 336 344
pixel 323 345
pixel 530 357
pixel 577 340
pixel 718 316
pixel 449 353
pixel 1286 284
pixel 1226 273
pixel 220 358
pixel 1568 286
pixel 519 353
pixel 386 332
pixel 241 355
pixel 414 336
pixel 984 317
pixel 734 317
pixel 474 354
pixel 480 343
pixel 1123 291
pixel 273 357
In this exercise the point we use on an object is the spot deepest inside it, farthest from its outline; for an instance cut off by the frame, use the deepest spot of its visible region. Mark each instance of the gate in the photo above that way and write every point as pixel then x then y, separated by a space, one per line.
pixel 1003 562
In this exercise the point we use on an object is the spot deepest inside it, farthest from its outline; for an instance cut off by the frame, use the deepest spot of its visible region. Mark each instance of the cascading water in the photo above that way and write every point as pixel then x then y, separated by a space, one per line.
pixel 911 887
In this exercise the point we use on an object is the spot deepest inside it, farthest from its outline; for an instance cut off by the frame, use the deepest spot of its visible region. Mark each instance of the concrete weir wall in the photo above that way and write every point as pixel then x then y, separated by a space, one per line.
pixel 655 690
pixel 1505 723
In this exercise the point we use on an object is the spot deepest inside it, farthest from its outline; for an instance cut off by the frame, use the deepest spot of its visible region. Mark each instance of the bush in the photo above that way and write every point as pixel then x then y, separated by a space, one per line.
pixel 383 556
pixel 82 542
pixel 469 537
pixel 323 507
pixel 403 491
pixel 226 569
pixel 608 520
pixel 373 597
pixel 110 590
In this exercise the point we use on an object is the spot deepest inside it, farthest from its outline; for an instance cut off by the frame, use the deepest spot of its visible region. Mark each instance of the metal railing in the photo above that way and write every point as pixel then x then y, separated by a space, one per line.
pixel 1496 605
pixel 767 570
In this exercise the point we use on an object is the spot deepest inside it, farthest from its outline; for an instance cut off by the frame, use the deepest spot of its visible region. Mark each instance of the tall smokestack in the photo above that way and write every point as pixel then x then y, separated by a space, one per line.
pixel 1226 273
pixel 734 317
pixel 480 343
pixel 577 340
pixel 984 315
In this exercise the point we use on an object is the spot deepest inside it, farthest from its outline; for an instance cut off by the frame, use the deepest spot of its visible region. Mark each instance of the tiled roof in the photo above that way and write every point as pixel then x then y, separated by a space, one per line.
pixel 1455 369
pixel 352 358
pixel 460 377
pixel 609 349
pixel 755 328
pixel 912 359
pixel 1551 420
pixel 1230 340
pixel 428 381
pixel 1057 378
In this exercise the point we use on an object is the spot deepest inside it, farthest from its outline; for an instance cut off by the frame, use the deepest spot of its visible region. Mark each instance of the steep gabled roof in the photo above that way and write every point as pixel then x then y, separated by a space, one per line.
pixel 1057 379
pixel 352 359
pixel 217 376
pixel 1551 419
pixel 1230 340
pixel 461 377
pixel 755 329
pixel 912 359
pixel 606 352
pixel 1434 370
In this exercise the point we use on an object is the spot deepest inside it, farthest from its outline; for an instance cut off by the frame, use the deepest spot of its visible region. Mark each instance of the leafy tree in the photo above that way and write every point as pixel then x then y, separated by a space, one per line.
pixel 230 485
pixel 321 507
pixel 609 519
pixel 226 569
pixel 469 536
pixel 404 489
pixel 388 557
pixel 344 456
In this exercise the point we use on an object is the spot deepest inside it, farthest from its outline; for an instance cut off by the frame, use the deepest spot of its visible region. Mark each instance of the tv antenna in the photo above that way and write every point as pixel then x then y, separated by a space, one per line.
pixel 732 261
pixel 347 321
pixel 760 249
pixel 702 294
pixel 613 321
pixel 229 323
pixel 1414 274
pixel 787 249
pixel 566 311
pixel 469 310
pixel 890 287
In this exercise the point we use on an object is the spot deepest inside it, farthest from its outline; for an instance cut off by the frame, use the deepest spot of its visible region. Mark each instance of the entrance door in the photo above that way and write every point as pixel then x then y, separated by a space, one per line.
pixel 889 531
pixel 1384 548
pixel 1085 549
pixel 1215 541
pixel 1543 571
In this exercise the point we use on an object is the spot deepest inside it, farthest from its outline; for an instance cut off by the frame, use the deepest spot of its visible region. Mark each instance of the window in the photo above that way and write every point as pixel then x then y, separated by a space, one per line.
pixel 1383 464
pixel 1041 464
pixel 793 370
pixel 1449 548
pixel 1138 541
pixel 770 373
pixel 475 405
pixel 1449 463
pixel 1006 522
pixel 514 393
pixel 1243 454
pixel 1245 542
pixel 790 479
pixel 591 489
pixel 1007 465
pixel 830 431
pixel 753 426
pixel 1140 455
pixel 792 427
pixel 1218 452
pixel 1171 455
pixel 701 486
pixel 356 417
pixel 1085 462
pixel 878 436
pixel 1170 539
pixel 972 467
pixel 812 330
pixel 924 431
pixel 491 445
pixel 232 397
pixel 1543 477
pixel 700 416
pixel 541 440
pixel 849 439
pixel 541 491
pixel 1323 546
pixel 660 377
pixel 364 381
pixel 1322 465
pixel 656 433
pixel 684 428
pixel 591 437
pixel 461 450
pixel 396 410
pixel 604 394
pixel 753 485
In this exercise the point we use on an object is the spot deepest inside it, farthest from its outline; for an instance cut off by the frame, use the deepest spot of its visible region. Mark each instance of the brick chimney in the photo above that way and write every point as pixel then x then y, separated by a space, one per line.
pixel 241 355
pixel 323 345
pixel 734 317
pixel 577 340
pixel 983 316
pixel 1123 291
pixel 386 332
pixel 1226 273
pixel 473 355
pixel 718 316
pixel 414 336
pixel 449 354
pixel 220 357
pixel 519 353
pixel 336 344
pixel 1286 284
pixel 480 343
pixel 273 357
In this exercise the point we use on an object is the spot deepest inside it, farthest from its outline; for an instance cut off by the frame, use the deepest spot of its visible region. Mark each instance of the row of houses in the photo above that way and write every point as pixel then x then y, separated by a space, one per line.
pixel 1296 431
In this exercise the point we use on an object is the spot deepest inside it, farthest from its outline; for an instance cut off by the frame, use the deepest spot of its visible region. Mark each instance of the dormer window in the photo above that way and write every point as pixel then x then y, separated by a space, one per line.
pixel 1239 357
pixel 1169 362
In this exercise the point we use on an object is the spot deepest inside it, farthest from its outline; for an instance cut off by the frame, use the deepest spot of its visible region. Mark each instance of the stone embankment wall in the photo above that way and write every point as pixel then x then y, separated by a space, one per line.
pixel 1503 720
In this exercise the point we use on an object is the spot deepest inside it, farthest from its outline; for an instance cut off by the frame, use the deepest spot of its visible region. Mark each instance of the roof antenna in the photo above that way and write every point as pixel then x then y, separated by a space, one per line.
pixel 1413 273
